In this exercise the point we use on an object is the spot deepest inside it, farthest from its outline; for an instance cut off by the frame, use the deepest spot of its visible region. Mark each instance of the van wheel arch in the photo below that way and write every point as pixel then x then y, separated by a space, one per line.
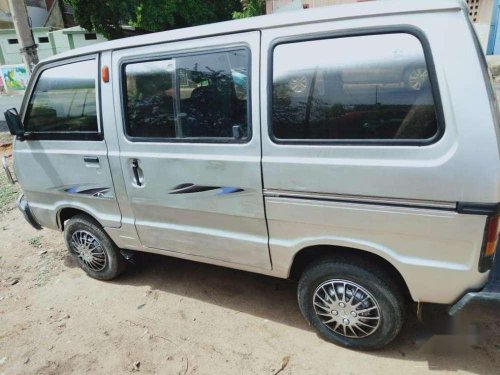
pixel 318 253
pixel 68 212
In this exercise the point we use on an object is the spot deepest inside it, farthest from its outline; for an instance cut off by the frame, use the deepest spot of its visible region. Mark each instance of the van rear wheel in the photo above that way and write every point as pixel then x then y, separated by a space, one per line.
pixel 92 249
pixel 351 305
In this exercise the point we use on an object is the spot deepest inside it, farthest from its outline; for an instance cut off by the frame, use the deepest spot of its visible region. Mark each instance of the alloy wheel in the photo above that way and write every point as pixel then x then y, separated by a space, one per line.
pixel 346 308
pixel 89 250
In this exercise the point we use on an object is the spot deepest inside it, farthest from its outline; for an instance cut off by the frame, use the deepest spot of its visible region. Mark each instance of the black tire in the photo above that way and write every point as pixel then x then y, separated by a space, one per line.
pixel 111 263
pixel 385 292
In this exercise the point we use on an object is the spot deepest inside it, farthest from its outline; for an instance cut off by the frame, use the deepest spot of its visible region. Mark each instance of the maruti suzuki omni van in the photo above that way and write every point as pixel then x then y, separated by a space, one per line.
pixel 352 148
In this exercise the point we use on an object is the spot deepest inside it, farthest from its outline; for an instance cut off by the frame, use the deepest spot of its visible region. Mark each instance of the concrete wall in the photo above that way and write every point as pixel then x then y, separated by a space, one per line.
pixel 49 43
pixel 9 52
pixel 480 13
pixel 72 38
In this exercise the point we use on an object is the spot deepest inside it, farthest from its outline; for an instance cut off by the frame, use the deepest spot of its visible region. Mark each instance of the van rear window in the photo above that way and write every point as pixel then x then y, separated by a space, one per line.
pixel 372 87
pixel 200 97
pixel 64 100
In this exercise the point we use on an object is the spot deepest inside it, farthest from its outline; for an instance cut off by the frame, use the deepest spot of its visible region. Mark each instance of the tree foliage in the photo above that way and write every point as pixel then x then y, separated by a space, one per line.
pixel 107 16
pixel 251 8
pixel 104 17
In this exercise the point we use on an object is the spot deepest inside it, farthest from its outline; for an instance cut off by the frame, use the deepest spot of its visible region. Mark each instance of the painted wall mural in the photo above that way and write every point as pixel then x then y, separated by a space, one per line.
pixel 14 77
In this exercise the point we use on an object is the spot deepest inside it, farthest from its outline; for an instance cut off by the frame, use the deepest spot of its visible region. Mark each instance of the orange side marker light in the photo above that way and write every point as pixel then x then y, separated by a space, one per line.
pixel 105 73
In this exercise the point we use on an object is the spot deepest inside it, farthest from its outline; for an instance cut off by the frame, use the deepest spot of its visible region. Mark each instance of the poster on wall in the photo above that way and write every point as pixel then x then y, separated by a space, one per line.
pixel 14 77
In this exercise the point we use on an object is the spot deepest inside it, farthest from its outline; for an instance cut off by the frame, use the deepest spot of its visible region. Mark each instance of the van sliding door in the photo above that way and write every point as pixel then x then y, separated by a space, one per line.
pixel 190 147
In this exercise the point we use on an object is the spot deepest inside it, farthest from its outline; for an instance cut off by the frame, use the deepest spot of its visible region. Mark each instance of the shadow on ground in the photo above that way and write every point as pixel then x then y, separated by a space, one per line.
pixel 440 344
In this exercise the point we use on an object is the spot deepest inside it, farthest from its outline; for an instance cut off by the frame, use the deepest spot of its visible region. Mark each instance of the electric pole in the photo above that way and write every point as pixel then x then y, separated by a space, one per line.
pixel 24 35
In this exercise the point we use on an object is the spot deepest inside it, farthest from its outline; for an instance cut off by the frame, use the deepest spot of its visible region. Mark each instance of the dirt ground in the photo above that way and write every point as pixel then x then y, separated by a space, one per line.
pixel 169 316
pixel 5 137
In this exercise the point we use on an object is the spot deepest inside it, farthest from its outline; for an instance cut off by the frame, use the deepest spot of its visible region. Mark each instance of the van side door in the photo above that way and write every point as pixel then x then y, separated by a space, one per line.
pixel 189 143
pixel 63 163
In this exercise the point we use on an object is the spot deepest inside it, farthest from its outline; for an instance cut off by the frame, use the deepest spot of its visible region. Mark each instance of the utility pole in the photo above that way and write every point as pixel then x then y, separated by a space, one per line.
pixel 24 35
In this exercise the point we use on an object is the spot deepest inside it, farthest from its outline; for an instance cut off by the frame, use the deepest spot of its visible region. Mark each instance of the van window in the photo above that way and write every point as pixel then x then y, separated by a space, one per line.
pixel 64 100
pixel 199 96
pixel 373 87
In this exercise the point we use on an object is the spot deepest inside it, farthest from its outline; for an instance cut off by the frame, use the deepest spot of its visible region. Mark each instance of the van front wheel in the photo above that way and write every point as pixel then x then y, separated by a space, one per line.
pixel 351 305
pixel 92 249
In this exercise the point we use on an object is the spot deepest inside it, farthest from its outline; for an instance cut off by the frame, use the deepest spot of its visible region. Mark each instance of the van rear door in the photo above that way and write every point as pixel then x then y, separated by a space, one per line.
pixel 64 160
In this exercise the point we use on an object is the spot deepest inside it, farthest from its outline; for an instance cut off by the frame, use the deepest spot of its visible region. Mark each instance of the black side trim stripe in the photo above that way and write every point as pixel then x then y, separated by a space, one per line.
pixel 478 208
pixel 460 207
pixel 395 202
pixel 189 188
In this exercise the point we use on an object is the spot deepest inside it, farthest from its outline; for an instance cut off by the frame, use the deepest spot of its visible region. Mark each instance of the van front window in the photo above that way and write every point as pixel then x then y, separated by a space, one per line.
pixel 64 100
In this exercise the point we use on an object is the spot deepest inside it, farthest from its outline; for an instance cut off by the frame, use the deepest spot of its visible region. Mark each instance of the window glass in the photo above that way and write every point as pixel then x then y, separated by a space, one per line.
pixel 373 87
pixel 64 100
pixel 189 97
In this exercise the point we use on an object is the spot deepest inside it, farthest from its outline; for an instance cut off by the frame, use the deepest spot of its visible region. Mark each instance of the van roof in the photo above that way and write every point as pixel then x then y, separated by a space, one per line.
pixel 335 12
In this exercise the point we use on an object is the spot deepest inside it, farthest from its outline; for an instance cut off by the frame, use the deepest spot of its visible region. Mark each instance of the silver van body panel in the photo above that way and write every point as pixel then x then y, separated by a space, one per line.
pixel 395 201
pixel 54 176
pixel 428 247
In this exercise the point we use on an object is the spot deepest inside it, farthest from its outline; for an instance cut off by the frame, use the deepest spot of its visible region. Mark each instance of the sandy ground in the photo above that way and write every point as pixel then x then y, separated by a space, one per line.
pixel 169 316
pixel 5 137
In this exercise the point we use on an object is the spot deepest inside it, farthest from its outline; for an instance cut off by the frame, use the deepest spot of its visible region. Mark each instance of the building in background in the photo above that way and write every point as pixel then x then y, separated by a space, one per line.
pixel 42 13
pixel 54 31
pixel 273 6
pixel 49 42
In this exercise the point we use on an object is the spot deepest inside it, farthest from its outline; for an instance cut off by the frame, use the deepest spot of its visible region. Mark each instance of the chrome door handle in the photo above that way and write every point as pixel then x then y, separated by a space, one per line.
pixel 135 169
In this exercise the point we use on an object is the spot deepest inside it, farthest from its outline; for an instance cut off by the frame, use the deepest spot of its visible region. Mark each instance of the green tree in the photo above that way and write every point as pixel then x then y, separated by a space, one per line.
pixel 106 17
pixel 156 15
pixel 251 8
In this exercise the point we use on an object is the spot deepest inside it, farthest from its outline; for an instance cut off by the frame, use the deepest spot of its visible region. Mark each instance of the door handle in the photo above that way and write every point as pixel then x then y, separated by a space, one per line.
pixel 91 159
pixel 135 170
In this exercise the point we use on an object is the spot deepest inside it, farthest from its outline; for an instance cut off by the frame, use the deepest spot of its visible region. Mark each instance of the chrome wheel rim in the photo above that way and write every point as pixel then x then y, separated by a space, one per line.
pixel 298 84
pixel 89 250
pixel 346 308
pixel 417 78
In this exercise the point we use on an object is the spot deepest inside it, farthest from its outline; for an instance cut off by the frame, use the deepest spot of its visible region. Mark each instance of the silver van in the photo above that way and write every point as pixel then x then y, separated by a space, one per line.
pixel 353 148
